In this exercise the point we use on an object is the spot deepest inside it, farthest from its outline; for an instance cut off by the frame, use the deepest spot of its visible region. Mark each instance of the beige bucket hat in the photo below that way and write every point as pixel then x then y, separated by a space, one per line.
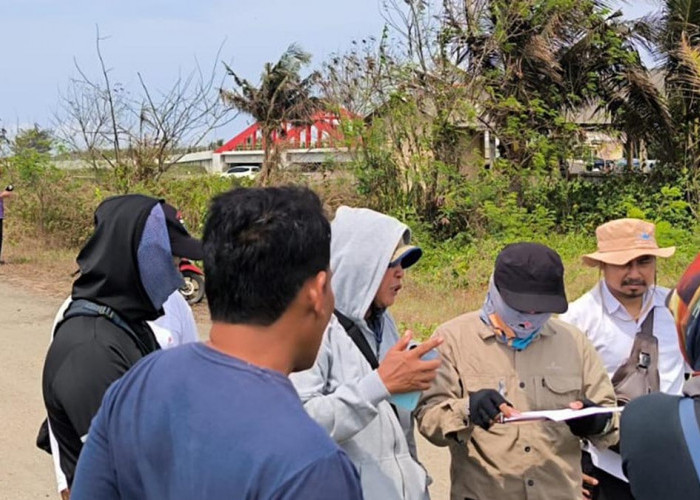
pixel 623 240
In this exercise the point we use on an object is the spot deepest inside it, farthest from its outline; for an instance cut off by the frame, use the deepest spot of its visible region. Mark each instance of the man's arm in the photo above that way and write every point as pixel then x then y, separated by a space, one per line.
pixel 354 403
pixel 330 477
pixel 442 412
pixel 94 477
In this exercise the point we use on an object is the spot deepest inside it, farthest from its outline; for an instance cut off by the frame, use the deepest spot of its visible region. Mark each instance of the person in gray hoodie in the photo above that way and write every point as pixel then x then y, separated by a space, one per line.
pixel 366 378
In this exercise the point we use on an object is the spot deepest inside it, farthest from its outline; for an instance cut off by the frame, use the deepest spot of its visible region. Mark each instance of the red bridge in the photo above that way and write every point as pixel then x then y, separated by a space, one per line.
pixel 324 132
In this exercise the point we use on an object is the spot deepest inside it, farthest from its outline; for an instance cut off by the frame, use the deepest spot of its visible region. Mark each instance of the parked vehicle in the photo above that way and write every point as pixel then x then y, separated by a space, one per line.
pixel 649 165
pixel 596 165
pixel 248 171
pixel 193 289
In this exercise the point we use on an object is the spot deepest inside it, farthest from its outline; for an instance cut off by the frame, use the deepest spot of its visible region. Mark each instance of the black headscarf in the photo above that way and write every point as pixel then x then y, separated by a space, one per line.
pixel 109 270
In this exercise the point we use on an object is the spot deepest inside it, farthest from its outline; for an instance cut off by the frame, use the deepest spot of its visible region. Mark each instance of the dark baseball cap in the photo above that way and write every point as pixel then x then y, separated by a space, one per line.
pixel 530 278
pixel 181 242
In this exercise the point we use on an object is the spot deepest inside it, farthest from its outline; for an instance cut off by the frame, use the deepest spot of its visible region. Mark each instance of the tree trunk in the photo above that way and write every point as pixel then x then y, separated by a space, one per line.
pixel 629 148
pixel 267 153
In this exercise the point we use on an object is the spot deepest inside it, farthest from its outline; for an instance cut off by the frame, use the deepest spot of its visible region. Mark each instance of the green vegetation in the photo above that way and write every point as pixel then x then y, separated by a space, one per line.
pixel 282 98
pixel 421 108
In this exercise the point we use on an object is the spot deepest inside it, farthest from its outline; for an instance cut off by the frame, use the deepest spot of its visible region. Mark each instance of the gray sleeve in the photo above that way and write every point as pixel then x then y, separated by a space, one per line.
pixel 351 405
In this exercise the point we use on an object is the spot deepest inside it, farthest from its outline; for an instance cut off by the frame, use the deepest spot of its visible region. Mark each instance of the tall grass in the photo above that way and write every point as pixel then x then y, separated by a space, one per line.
pixel 450 279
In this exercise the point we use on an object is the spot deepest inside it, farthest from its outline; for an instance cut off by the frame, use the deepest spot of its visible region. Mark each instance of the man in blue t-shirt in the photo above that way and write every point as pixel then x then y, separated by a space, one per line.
pixel 221 420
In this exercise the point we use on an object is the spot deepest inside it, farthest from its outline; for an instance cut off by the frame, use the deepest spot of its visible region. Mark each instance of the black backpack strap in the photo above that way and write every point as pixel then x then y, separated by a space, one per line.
pixel 358 338
pixel 83 307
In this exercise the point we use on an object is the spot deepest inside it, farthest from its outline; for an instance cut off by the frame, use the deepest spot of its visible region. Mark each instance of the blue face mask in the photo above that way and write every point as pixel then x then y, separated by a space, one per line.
pixel 512 327
pixel 524 325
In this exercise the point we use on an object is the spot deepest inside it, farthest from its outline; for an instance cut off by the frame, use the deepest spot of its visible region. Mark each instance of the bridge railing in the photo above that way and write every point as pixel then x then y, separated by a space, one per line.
pixel 324 132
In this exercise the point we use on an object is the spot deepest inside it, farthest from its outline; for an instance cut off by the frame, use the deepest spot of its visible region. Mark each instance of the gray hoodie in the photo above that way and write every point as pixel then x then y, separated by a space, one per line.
pixel 342 392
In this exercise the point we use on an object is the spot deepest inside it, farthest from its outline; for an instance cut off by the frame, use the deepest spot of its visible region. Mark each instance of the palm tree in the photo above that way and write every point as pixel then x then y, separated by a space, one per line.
pixel 537 60
pixel 675 41
pixel 606 70
pixel 282 98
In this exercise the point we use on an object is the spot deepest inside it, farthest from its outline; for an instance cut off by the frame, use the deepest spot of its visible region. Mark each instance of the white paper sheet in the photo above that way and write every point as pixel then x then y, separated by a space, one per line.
pixel 607 460
pixel 562 415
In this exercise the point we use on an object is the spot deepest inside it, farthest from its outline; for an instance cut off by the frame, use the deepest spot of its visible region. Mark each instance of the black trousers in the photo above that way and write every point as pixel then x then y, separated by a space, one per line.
pixel 609 487
pixel 1 238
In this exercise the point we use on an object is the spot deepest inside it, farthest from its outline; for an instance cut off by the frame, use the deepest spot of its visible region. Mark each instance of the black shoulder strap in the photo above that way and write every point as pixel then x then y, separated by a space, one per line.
pixel 83 307
pixel 360 341
pixel 358 338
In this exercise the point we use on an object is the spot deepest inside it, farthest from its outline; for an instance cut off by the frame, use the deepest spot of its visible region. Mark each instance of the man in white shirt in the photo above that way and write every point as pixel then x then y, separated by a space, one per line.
pixel 613 312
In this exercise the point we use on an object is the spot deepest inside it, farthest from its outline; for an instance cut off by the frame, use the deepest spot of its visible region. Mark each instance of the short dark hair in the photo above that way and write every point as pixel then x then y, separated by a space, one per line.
pixel 260 246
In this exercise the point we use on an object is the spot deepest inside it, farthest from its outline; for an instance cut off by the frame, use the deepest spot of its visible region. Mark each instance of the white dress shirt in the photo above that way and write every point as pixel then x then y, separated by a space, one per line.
pixel 177 325
pixel 612 329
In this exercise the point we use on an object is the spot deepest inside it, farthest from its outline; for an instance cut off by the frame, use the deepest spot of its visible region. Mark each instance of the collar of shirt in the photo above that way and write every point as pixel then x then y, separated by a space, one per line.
pixel 486 332
pixel 616 309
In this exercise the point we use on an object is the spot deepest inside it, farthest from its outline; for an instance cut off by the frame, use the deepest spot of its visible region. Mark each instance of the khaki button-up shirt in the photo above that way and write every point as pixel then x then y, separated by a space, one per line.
pixel 534 460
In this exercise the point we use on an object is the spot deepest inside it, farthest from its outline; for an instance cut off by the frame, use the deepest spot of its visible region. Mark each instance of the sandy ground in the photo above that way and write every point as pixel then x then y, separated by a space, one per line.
pixel 26 473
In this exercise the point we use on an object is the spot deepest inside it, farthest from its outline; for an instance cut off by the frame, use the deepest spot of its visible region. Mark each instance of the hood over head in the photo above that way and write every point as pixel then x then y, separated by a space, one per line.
pixel 127 262
pixel 363 243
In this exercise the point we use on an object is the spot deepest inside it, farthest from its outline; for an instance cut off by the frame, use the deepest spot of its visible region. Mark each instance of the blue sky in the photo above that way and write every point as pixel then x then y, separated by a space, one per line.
pixel 39 40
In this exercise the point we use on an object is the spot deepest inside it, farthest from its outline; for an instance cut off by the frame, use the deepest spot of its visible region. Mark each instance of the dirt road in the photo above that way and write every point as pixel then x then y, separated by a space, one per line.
pixel 26 473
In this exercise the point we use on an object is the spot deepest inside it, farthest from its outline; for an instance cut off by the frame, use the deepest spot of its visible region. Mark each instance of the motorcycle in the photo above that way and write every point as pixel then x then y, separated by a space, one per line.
pixel 193 289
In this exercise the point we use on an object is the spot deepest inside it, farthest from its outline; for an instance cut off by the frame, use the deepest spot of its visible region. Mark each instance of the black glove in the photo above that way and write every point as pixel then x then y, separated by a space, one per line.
pixel 483 407
pixel 590 425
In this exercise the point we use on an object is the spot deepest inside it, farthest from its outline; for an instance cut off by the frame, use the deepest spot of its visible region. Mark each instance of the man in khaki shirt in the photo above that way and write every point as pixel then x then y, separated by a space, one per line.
pixel 512 356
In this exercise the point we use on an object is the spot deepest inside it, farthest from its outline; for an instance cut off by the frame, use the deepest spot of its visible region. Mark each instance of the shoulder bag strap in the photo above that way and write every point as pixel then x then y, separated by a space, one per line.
pixel 648 324
pixel 360 341
pixel 358 338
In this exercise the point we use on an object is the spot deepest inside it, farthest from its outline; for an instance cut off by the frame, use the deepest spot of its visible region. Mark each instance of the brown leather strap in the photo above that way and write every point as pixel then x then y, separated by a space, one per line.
pixel 648 324
pixel 639 374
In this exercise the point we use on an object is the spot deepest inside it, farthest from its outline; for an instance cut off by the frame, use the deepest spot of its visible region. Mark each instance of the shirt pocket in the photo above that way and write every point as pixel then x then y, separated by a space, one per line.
pixel 554 392
pixel 473 383
pixel 504 386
